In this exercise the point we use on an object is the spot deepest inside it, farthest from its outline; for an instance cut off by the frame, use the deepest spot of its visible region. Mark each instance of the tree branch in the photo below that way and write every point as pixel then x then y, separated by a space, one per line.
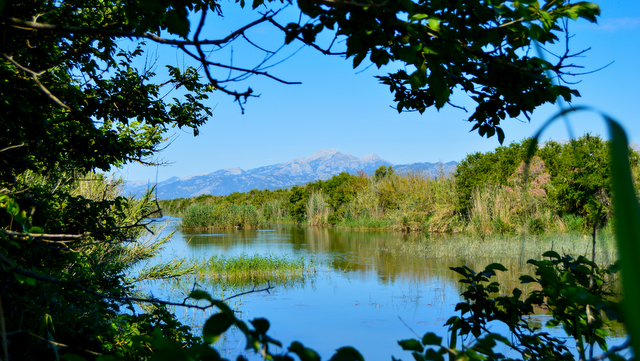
pixel 35 76
pixel 14 267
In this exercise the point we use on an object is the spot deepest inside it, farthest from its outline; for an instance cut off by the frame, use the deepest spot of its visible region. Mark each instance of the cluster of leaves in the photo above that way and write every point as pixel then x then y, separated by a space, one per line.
pixel 579 178
pixel 479 47
pixel 75 101
pixel 64 281
pixel 575 292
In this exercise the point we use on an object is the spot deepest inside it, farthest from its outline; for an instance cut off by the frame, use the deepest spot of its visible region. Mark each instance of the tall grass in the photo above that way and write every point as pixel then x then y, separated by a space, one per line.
pixel 409 202
pixel 317 209
pixel 255 269
pixel 222 216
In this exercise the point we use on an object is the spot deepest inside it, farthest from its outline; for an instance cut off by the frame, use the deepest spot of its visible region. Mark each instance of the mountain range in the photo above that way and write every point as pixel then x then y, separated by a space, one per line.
pixel 321 165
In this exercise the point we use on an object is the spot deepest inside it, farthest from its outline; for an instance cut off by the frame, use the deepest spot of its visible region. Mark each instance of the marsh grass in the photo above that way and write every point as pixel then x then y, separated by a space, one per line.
pixel 512 252
pixel 222 216
pixel 246 270
pixel 317 209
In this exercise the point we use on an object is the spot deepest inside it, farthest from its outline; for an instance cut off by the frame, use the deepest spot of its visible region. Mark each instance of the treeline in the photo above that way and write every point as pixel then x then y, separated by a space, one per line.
pixel 566 188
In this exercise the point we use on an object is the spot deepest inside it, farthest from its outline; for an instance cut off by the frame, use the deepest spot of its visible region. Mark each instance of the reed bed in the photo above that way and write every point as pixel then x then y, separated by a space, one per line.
pixel 256 269
pixel 222 216
pixel 498 249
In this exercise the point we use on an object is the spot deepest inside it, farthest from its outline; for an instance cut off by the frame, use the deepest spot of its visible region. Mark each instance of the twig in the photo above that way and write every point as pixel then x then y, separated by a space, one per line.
pixel 35 76
pixel 14 267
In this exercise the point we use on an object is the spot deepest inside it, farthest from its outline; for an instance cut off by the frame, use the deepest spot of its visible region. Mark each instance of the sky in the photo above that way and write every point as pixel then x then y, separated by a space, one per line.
pixel 346 109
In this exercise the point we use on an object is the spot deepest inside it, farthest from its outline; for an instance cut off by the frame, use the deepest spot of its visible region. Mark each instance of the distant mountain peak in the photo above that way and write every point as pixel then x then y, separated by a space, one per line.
pixel 322 164
pixel 321 154
pixel 371 156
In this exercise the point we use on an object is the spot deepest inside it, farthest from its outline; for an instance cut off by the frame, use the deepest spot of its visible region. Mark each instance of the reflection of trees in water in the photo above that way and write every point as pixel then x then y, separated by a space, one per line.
pixel 394 256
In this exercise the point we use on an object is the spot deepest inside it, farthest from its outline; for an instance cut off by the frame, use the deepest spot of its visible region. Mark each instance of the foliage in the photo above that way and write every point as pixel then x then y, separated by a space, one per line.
pixel 78 96
pixel 64 284
pixel 574 291
pixel 574 175
pixel 479 47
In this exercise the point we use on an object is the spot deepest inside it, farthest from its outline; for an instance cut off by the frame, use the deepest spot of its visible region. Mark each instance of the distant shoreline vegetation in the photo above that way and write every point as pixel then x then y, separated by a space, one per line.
pixel 565 189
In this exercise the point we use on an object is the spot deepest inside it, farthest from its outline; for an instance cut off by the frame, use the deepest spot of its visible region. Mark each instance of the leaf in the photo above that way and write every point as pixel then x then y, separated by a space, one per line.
pixel 177 22
pixel 627 228
pixel 261 325
pixel 215 326
pixel 551 254
pixel 347 354
pixel 439 88
pixel 24 279
pixel 411 345
pixel 257 3
pixel 200 295
pixel 527 279
pixel 495 266
pixel 358 58
pixel 416 17
pixel 305 354
pixel 431 339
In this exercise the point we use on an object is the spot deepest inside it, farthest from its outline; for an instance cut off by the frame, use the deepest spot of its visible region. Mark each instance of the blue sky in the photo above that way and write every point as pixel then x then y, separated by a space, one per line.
pixel 339 107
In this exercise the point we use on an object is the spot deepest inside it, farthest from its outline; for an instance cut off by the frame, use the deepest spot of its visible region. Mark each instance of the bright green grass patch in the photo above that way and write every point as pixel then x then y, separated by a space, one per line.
pixel 256 269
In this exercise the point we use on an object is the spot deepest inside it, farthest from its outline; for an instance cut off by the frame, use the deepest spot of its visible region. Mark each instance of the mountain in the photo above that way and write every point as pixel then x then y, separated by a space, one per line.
pixel 321 165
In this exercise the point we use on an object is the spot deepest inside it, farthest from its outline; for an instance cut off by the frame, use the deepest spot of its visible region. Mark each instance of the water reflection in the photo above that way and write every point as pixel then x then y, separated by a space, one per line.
pixel 364 295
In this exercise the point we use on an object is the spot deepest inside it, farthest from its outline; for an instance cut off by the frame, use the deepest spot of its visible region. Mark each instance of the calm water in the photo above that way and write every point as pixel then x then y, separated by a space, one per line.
pixel 360 296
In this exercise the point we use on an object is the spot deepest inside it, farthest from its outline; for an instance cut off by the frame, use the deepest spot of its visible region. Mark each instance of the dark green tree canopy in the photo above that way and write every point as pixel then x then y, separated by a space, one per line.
pixel 482 48
pixel 73 96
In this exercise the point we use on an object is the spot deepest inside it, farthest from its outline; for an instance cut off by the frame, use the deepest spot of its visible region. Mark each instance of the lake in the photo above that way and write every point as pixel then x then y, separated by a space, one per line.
pixel 359 293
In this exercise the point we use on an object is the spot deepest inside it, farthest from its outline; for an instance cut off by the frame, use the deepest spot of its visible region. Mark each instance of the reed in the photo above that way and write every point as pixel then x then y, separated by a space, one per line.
pixel 256 269
pixel 317 209
pixel 222 216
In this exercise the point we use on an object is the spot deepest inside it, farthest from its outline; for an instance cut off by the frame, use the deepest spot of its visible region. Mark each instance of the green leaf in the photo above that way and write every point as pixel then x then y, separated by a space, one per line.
pixel 439 88
pixel 411 345
pixel 38 230
pixel 627 228
pixel 177 22
pixel 495 266
pixel 416 17
pixel 527 279
pixel 261 325
pixel 305 354
pixel 434 24
pixel 347 354
pixel 358 58
pixel 24 279
pixel 257 3
pixel 431 339
pixel 200 295
pixel 215 326
pixel 551 254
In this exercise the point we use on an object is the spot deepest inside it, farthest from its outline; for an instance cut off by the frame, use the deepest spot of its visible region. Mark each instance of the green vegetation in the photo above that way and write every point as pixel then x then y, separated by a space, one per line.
pixel 222 216
pixel 255 270
pixel 566 188
pixel 77 98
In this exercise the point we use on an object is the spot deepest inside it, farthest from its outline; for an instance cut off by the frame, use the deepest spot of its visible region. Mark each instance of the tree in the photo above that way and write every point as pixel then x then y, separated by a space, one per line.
pixel 78 95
